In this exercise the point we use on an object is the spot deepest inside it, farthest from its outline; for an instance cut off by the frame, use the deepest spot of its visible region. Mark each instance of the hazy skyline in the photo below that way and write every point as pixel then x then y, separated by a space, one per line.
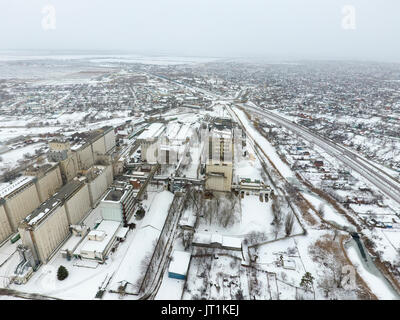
pixel 285 29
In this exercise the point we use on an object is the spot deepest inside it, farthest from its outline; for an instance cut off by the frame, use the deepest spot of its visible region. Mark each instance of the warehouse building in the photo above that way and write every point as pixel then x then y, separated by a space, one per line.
pixel 47 227
pixel 214 240
pixel 79 233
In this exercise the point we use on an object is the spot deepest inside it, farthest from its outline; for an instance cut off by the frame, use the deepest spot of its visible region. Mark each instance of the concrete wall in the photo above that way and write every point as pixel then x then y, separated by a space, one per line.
pixel 99 146
pixel 69 167
pixel 149 152
pixel 99 185
pixel 109 140
pixel 109 175
pixel 19 206
pixel 78 206
pixel 219 183
pixel 50 234
pixel 111 210
pixel 49 184
pixel 85 157
pixel 27 241
pixel 5 227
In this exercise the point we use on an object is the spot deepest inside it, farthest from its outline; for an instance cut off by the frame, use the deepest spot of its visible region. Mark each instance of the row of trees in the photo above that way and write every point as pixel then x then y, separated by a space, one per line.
pixel 281 216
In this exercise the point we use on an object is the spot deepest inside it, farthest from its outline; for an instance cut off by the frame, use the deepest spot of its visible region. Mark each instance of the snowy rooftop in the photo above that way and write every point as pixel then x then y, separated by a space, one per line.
pixel 158 211
pixel 226 134
pixel 179 262
pixel 214 238
pixel 177 131
pixel 153 131
pixel 107 227
pixel 6 189
pixel 143 241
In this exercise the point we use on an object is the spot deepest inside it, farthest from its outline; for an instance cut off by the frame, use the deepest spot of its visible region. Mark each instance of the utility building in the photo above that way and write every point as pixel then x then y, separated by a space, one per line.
pixel 179 265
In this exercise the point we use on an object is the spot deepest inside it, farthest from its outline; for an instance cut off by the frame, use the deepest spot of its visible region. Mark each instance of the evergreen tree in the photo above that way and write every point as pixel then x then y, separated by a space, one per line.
pixel 62 273
pixel 307 281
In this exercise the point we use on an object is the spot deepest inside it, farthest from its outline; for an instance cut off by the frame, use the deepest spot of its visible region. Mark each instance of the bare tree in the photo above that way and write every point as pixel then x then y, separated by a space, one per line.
pixel 321 210
pixel 277 211
pixel 289 224
pixel 327 285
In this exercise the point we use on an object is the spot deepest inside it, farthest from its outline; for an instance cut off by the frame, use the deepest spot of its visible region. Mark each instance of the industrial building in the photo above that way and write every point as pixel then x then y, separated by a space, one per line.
pixel 47 227
pixel 98 179
pixel 19 199
pixel 119 203
pixel 174 144
pixel 214 240
pixel 79 233
pixel 59 150
pixel 247 186
pixel 81 151
pixel 25 194
pixel 48 179
pixel 25 268
pixel 98 242
pixel 5 226
pixel 148 142
pixel 219 163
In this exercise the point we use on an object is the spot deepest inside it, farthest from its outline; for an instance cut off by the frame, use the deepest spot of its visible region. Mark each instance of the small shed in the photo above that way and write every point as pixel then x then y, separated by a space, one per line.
pixel 179 265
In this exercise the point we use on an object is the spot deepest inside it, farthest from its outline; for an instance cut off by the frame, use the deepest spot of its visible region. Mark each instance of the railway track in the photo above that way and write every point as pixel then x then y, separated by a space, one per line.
pixel 384 182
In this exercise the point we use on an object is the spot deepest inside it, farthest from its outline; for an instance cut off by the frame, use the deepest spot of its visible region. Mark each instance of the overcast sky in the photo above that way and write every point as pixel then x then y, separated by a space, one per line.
pixel 300 29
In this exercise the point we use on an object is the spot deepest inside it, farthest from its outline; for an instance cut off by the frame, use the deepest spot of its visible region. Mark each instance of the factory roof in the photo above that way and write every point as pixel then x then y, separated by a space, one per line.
pixel 152 132
pixel 224 133
pixel 6 189
pixel 109 228
pixel 81 139
pixel 177 131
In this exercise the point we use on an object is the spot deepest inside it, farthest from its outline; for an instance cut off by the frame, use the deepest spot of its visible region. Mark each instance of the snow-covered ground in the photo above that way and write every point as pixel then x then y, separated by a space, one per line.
pixel 329 213
pixel 282 167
